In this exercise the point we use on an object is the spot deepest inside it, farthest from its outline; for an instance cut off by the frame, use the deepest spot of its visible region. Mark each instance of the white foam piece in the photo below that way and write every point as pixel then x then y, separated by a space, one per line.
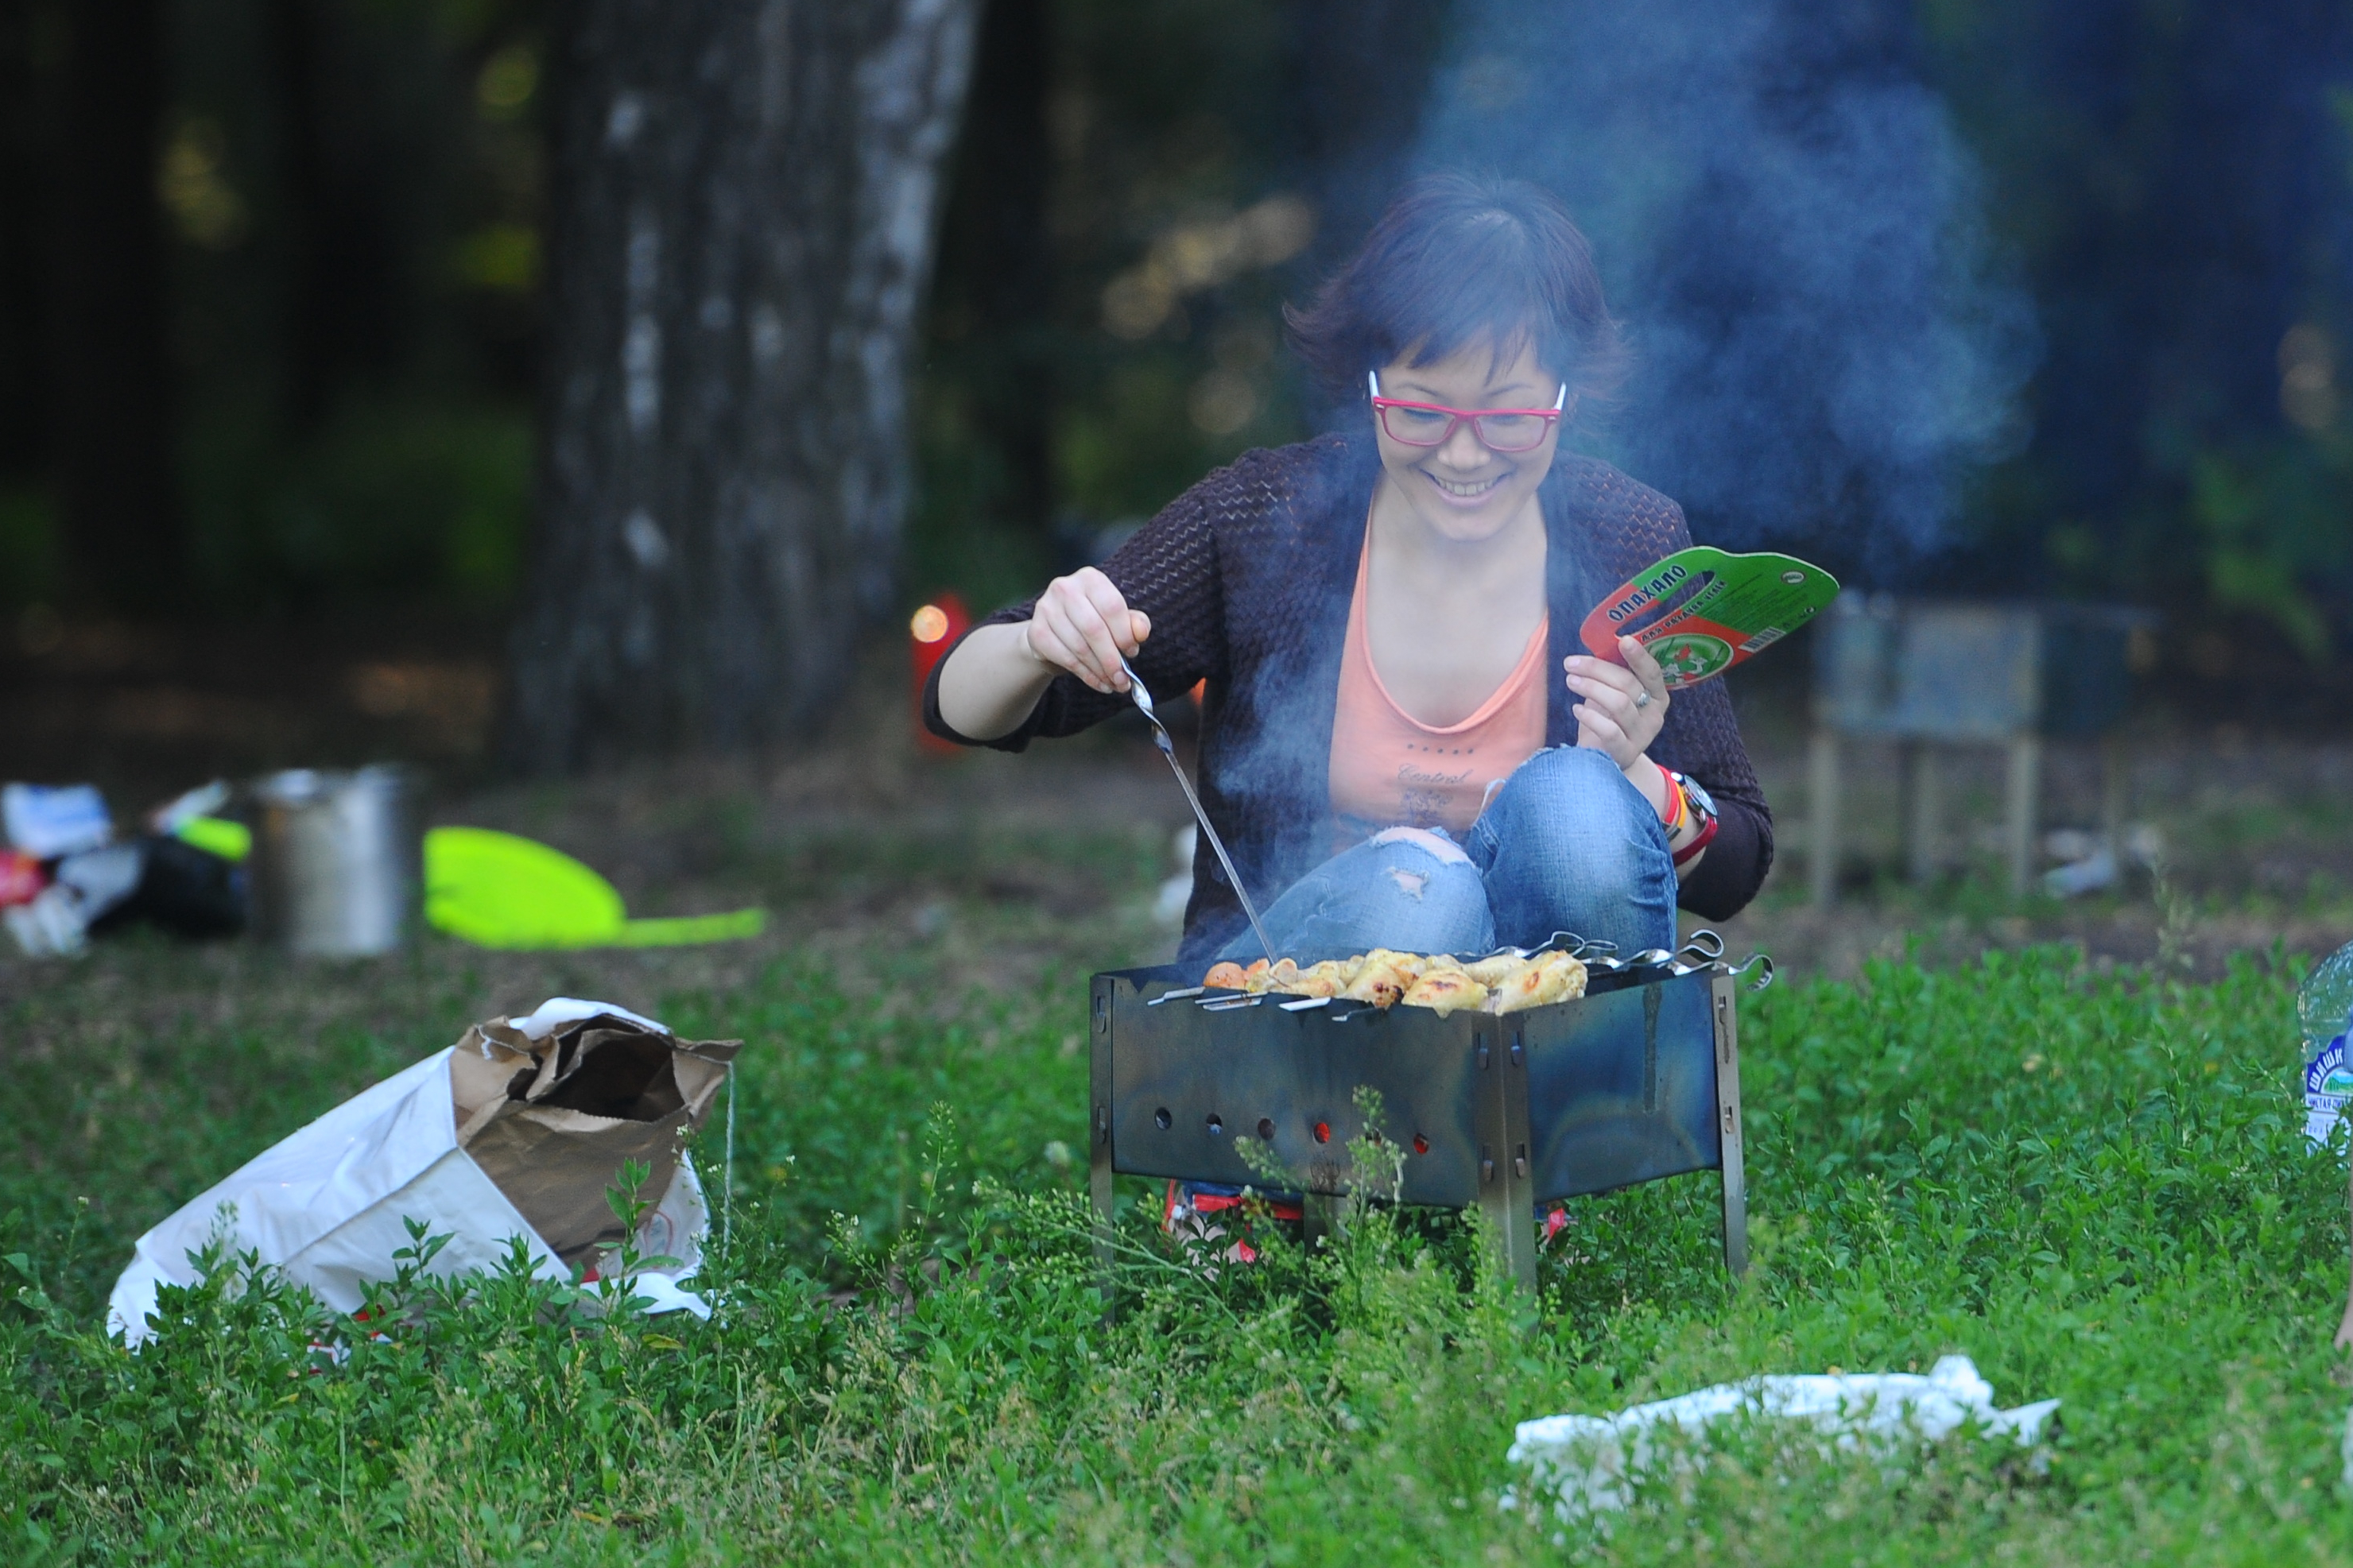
pixel 1594 1462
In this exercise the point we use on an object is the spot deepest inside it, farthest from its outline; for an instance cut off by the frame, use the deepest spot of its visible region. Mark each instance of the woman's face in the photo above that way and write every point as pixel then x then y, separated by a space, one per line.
pixel 1460 489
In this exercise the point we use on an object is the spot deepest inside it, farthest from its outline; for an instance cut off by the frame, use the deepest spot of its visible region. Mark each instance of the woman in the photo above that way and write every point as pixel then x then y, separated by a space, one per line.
pixel 1403 744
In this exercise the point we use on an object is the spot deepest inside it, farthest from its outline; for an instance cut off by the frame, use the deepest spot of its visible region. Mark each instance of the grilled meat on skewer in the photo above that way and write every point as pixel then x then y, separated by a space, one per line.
pixel 1504 983
pixel 1445 989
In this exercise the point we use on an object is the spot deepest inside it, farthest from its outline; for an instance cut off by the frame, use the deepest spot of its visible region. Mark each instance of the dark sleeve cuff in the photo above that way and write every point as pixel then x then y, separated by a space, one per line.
pixel 1016 740
pixel 1732 868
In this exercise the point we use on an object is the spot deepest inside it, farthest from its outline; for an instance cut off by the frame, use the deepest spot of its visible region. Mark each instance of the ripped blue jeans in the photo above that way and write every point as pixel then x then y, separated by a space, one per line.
pixel 1568 844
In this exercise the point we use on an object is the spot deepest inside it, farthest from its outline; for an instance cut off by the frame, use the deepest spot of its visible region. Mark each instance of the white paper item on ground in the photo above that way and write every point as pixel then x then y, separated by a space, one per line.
pixel 2088 875
pixel 102 879
pixel 90 884
pixel 46 821
pixel 1593 1462
pixel 51 926
pixel 181 809
pixel 328 1206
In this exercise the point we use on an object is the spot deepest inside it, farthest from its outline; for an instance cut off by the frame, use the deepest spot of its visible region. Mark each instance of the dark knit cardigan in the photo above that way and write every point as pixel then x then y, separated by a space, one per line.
pixel 1248 577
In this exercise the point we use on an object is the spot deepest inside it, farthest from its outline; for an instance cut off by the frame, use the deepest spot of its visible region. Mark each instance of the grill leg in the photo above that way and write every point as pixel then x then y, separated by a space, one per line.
pixel 1099 1147
pixel 1099 1187
pixel 1514 1228
pixel 1727 1106
pixel 1506 1184
pixel 1512 1224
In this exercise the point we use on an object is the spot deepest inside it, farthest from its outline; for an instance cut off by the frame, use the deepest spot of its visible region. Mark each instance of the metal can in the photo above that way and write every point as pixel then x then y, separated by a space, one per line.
pixel 335 861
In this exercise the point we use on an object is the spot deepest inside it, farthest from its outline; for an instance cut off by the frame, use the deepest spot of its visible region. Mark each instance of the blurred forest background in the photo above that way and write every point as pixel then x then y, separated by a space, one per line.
pixel 270 326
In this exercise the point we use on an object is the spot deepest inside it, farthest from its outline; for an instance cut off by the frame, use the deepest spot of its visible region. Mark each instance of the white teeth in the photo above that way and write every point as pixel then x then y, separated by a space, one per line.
pixel 1466 491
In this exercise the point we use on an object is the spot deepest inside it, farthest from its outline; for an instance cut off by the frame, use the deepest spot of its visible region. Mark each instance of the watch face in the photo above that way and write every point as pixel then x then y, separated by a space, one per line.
pixel 1699 796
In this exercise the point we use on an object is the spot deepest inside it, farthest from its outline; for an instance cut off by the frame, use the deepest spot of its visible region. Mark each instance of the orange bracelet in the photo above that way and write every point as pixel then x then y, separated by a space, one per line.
pixel 1676 806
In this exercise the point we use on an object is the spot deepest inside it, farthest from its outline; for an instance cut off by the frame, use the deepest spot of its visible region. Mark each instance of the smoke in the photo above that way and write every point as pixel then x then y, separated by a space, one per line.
pixel 1793 233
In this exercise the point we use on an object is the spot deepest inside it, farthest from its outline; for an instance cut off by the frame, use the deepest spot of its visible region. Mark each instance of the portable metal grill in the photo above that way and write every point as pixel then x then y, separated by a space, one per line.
pixel 1636 1080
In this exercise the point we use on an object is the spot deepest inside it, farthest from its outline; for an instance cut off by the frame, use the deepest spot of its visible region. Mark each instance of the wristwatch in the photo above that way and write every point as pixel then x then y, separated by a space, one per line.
pixel 1702 808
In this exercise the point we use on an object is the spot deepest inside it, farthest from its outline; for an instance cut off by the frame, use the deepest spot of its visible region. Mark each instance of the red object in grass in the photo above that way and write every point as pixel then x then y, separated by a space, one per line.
pixel 931 631
pixel 1218 1203
pixel 20 877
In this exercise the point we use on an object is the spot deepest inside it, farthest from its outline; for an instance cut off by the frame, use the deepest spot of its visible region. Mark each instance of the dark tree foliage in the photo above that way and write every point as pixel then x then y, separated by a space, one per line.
pixel 1163 120
pixel 110 362
pixel 2135 218
pixel 319 398
pixel 995 286
pixel 2177 184
pixel 350 308
pixel 25 154
pixel 265 280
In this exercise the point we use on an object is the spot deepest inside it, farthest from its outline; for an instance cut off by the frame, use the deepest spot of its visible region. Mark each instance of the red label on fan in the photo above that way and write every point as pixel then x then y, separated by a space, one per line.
pixel 1702 610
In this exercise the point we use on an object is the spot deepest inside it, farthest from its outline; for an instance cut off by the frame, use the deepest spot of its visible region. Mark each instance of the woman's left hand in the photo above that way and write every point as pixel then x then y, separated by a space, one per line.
pixel 1623 706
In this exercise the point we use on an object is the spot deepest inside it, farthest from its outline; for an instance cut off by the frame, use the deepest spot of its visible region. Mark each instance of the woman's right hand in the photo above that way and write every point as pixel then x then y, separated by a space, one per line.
pixel 1082 626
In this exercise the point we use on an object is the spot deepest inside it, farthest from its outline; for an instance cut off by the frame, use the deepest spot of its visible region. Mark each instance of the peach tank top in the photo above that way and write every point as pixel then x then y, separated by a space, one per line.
pixel 1389 769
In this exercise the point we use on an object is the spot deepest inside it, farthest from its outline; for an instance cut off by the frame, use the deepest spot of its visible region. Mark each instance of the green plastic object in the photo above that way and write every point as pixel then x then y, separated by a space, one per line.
pixel 217 836
pixel 502 891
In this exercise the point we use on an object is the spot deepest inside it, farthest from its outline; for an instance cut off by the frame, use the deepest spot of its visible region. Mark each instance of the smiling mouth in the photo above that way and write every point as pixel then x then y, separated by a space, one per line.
pixel 1465 492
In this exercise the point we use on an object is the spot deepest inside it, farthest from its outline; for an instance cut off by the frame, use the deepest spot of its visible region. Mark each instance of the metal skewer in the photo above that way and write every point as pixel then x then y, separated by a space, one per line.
pixel 1168 749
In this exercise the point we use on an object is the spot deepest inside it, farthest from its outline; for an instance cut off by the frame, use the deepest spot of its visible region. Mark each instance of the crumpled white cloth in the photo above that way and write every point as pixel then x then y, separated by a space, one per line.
pixel 1593 1462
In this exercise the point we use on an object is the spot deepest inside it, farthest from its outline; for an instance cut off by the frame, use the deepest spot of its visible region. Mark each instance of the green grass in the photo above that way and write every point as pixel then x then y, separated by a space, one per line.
pixel 2095 1185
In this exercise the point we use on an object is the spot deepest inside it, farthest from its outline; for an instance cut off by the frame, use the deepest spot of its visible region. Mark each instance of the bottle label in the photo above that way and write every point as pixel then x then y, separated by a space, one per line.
pixel 2328 1087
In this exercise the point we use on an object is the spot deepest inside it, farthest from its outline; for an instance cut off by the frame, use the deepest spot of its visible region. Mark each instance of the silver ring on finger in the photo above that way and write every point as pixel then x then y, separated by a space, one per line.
pixel 1642 698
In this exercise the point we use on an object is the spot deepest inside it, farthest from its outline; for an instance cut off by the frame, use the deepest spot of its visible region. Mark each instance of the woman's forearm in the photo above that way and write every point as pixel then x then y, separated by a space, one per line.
pixel 992 682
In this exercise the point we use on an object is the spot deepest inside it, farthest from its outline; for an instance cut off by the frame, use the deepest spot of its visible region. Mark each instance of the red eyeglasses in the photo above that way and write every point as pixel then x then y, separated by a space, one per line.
pixel 1432 424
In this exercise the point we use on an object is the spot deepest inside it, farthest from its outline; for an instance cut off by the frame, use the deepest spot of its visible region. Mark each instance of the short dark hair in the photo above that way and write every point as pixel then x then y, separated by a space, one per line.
pixel 1459 258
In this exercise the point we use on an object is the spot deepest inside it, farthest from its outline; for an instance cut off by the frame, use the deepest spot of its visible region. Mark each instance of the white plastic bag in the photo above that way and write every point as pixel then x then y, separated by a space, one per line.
pixel 327 1206
pixel 1593 1462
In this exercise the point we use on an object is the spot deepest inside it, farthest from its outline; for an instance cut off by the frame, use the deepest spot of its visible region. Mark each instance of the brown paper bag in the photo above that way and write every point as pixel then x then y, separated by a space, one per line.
pixel 551 1119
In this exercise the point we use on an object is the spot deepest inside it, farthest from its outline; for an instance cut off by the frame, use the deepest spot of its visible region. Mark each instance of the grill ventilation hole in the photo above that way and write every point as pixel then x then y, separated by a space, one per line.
pixel 1323 1132
pixel 1162 1119
pixel 1266 1128
pixel 1217 1127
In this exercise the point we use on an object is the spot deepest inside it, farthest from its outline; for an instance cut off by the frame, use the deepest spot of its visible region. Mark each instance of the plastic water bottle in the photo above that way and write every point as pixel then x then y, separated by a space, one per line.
pixel 2324 1008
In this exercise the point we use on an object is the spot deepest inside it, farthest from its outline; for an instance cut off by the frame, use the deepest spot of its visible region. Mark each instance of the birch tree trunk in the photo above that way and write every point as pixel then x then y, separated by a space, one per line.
pixel 744 203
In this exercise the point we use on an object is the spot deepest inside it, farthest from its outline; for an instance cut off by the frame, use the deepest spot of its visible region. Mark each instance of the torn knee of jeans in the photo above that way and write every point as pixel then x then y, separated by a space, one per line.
pixel 1433 843
pixel 1410 883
